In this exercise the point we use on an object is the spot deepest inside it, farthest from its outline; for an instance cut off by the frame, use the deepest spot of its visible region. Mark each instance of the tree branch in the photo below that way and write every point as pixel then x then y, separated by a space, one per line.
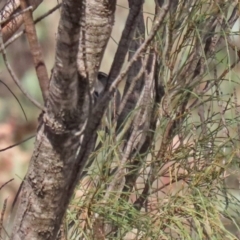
pixel 13 7
pixel 36 51
pixel 63 141
pixel 132 19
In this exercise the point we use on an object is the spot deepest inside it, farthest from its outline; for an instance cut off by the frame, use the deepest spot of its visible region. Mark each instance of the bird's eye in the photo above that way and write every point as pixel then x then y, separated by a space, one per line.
pixel 96 94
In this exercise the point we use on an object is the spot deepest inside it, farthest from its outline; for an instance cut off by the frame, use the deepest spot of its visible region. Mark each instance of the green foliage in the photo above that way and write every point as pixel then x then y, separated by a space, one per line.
pixel 181 187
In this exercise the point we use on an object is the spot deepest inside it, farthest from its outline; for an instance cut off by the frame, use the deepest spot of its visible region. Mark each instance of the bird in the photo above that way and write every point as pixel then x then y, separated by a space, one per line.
pixel 99 88
pixel 100 84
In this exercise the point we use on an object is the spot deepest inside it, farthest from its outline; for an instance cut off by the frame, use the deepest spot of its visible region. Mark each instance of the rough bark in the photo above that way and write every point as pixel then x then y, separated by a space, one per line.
pixel 63 140
pixel 96 27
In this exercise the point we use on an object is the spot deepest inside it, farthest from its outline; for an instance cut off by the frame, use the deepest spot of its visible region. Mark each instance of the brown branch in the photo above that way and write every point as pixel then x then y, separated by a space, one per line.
pixel 129 102
pixel 8 9
pixel 36 51
pixel 17 35
pixel 136 7
pixel 2 22
pixel 130 89
pixel 13 7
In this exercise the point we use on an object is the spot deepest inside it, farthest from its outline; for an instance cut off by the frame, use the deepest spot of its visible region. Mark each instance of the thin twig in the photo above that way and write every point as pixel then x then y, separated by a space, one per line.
pixel 15 98
pixel 16 144
pixel 136 135
pixel 8 9
pixel 143 47
pixel 15 15
pixel 47 13
pixel 12 26
pixel 6 183
pixel 16 36
pixel 14 77
pixel 131 87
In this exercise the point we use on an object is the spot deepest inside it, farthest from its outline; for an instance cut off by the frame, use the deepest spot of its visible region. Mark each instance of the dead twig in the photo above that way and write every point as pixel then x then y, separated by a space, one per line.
pixel 16 144
pixel 6 183
pixel 14 77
